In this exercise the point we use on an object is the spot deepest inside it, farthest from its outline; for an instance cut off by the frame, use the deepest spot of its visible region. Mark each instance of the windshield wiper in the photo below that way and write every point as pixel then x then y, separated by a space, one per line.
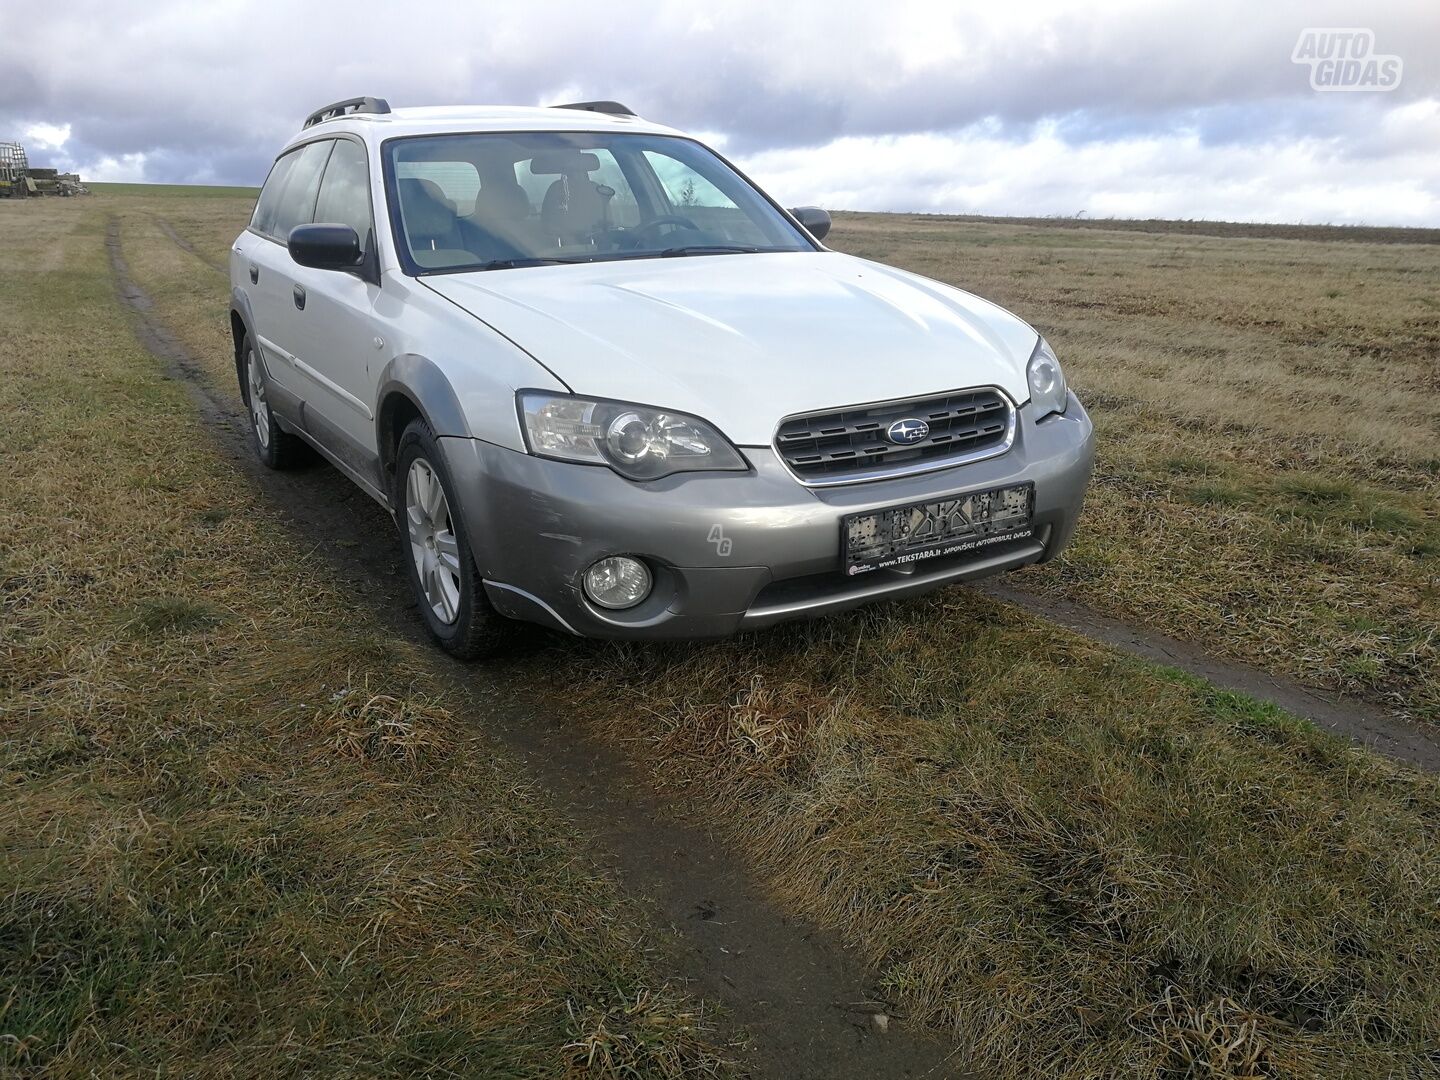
pixel 712 249
pixel 515 264
pixel 495 264
pixel 668 253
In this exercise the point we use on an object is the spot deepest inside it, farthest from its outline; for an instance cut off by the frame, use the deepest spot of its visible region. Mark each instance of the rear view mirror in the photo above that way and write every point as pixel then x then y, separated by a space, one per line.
pixel 325 247
pixel 815 220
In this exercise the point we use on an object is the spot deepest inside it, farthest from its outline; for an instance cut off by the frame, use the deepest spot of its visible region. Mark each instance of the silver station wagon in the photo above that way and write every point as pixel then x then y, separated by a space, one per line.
pixel 604 383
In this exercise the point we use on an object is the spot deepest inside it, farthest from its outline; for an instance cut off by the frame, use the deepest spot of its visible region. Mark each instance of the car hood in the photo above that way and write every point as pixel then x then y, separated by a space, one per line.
pixel 743 340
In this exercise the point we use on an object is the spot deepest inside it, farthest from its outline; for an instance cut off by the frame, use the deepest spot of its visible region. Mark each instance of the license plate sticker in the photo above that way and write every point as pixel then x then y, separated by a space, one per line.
pixel 907 534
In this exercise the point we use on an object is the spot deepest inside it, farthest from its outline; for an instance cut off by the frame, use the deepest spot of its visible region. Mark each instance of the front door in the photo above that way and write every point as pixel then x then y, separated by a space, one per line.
pixel 336 345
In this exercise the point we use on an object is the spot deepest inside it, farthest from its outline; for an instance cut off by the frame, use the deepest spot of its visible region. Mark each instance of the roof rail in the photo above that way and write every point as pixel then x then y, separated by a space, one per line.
pixel 613 108
pixel 346 107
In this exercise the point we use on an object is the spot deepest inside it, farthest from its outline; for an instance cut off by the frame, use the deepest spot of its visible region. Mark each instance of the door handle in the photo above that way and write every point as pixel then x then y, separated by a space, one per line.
pixel 299 294
pixel 254 274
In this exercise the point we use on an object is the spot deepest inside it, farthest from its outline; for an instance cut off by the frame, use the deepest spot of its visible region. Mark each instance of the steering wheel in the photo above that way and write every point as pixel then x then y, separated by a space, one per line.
pixel 639 231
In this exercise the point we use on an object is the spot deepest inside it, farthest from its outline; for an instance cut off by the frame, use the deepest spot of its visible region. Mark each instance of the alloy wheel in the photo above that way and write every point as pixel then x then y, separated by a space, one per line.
pixel 433 545
pixel 259 410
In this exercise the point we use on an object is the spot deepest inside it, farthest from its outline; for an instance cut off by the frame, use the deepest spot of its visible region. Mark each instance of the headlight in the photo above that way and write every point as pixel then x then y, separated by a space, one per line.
pixel 635 440
pixel 1047 381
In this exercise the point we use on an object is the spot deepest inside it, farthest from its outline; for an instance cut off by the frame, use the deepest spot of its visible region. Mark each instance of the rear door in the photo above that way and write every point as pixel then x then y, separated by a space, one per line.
pixel 337 343
pixel 248 257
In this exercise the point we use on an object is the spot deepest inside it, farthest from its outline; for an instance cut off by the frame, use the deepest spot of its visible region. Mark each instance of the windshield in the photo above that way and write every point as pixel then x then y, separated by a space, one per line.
pixel 495 201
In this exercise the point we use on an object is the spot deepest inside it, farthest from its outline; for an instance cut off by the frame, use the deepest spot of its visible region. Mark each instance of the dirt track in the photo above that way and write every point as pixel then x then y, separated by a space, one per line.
pixel 1360 721
pixel 804 1002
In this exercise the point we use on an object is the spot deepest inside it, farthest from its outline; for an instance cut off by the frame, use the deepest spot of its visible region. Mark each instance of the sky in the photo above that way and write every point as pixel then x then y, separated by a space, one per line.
pixel 1024 107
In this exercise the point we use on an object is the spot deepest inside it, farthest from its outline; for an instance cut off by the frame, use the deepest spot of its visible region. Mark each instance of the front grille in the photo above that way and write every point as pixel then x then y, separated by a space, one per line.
pixel 846 445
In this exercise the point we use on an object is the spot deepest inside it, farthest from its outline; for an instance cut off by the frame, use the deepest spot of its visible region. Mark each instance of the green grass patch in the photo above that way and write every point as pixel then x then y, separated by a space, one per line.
pixel 1320 491
pixel 1217 495
pixel 174 615
pixel 1187 465
pixel 1388 519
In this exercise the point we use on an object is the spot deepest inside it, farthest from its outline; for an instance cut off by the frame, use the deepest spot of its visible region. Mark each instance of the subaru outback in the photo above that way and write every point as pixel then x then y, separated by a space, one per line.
pixel 606 384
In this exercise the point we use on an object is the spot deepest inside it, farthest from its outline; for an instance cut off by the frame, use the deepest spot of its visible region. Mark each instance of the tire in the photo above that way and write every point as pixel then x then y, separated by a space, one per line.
pixel 274 446
pixel 437 555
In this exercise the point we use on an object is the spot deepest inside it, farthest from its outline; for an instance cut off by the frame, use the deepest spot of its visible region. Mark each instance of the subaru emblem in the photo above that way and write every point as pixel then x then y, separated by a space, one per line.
pixel 907 431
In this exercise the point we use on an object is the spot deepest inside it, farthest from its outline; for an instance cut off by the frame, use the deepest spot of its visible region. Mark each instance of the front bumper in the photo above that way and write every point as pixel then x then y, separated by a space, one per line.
pixel 732 551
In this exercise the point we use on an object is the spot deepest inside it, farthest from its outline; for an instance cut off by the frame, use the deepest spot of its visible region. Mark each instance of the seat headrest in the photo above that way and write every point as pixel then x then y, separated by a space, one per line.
pixel 426 210
pixel 560 162
pixel 499 198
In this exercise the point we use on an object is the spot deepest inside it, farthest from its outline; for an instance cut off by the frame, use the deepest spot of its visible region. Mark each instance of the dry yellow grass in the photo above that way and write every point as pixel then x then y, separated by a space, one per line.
pixel 241 834
pixel 1268 481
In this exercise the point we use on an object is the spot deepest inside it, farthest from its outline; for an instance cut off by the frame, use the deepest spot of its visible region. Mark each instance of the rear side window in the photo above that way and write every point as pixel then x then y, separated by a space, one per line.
pixel 345 190
pixel 302 186
pixel 263 220
pixel 458 180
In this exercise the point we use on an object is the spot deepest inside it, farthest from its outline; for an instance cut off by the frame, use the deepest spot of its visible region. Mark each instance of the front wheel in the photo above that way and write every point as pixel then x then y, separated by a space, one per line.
pixel 442 571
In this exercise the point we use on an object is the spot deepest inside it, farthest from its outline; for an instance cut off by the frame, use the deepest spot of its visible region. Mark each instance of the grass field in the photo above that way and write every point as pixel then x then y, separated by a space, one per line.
pixel 1073 864
pixel 177 191
pixel 1326 234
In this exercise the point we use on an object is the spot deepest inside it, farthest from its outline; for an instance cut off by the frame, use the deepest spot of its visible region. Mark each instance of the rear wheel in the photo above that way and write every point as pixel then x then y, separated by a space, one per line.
pixel 447 586
pixel 274 446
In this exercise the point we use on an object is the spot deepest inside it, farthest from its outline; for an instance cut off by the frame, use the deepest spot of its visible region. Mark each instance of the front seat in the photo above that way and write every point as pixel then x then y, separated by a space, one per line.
pixel 502 200
pixel 431 224
pixel 574 208
pixel 502 214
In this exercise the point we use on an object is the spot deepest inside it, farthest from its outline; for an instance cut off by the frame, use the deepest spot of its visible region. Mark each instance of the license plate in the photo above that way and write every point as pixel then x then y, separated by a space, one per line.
pixel 908 534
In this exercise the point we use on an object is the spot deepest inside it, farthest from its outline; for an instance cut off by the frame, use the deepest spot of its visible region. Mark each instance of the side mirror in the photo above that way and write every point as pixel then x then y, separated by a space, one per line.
pixel 325 247
pixel 815 220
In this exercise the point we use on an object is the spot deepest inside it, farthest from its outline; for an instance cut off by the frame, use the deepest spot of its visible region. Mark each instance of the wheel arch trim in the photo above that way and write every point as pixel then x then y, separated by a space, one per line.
pixel 420 382
pixel 242 313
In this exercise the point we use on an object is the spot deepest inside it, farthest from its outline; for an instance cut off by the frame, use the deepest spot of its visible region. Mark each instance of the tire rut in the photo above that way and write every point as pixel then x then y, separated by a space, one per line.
pixel 187 247
pixel 804 1004
pixel 1360 721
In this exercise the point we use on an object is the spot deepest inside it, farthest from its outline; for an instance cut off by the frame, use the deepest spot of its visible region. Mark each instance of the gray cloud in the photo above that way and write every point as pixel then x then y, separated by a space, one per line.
pixel 208 92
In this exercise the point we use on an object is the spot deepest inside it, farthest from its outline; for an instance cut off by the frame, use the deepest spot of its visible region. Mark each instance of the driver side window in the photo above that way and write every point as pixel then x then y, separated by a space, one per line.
pixel 684 187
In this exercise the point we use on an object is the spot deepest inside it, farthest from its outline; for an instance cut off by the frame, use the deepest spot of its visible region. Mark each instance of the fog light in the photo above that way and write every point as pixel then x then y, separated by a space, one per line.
pixel 617 582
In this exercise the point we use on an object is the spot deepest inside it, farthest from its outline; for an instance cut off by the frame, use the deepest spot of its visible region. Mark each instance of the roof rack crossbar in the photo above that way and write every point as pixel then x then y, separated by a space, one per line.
pixel 613 108
pixel 346 108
